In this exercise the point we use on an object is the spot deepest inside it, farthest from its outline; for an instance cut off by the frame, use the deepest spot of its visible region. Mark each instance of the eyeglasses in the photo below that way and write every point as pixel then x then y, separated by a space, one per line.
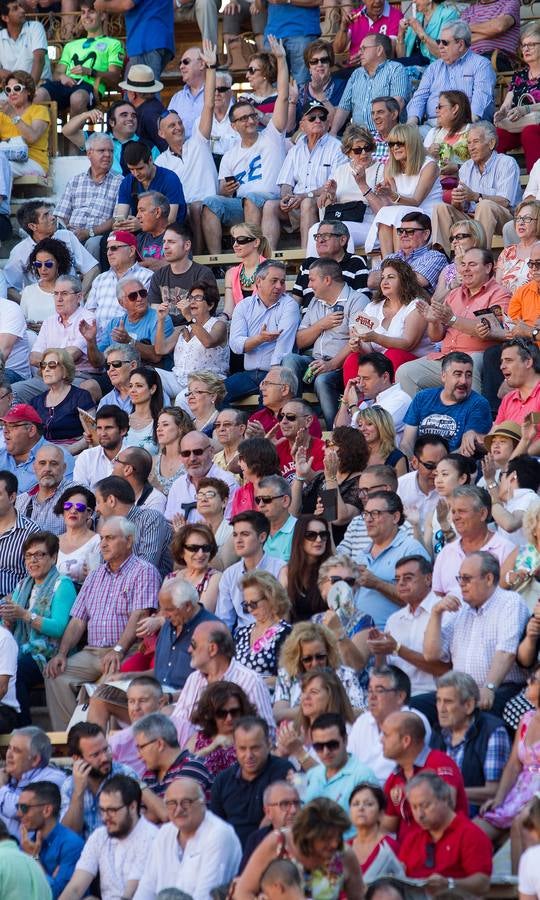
pixel 146 744
pixel 317 117
pixel 459 237
pixel 117 364
pixel 61 295
pixel 284 805
pixel 265 501
pixel 319 61
pixel 121 462
pixel 222 89
pixel 350 580
pixel 6 394
pixel 313 657
pixel 246 118
pixel 430 466
pixel 525 219
pixel 49 263
pixel 14 89
pixel 370 514
pixel 332 746
pixel 49 365
pixel 185 803
pixel 324 236
pixel 266 383
pixel 358 151
pixel 117 246
pixel 252 70
pixel 466 579
pixel 243 239
pixel 394 144
pixel 35 557
pixel 134 295
pixel 529 46
pixel 381 690
pixel 443 106
pixel 533 263
pixel 111 810
pixel 291 417
pixel 9 426
pixel 248 605
pixel 206 495
pixel 198 548
pixel 402 231
pixel 365 492
pixel 196 393
pixel 313 535
pixel 80 507
pixel 24 807
pixel 186 61
pixel 234 713
pixel 198 451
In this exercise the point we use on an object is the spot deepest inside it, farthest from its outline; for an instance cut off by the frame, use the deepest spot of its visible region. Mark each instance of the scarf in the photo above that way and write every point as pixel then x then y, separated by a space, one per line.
pixel 38 645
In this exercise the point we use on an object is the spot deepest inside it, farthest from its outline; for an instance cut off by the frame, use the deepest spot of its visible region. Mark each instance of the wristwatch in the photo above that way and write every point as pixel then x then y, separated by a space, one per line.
pixel 91 232
pixel 119 649
pixel 452 320
pixel 491 687
pixel 534 333
pixel 451 884
pixel 310 194
pixel 33 617
pixel 16 120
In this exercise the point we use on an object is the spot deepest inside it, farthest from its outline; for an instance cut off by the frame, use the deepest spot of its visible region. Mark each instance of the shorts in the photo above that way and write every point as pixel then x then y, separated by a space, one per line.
pixel 61 93
pixel 230 210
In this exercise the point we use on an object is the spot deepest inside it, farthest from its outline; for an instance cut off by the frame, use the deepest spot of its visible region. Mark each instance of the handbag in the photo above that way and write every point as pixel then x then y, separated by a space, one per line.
pixel 353 211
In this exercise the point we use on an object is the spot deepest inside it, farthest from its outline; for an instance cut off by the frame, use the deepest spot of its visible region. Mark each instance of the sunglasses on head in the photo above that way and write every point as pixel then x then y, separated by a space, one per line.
pixel 313 535
pixel 80 507
pixel 243 239
pixel 49 263
pixel 319 61
pixel 194 548
pixel 15 89
pixel 333 745
pixel 222 89
pixel 198 451
pixel 134 295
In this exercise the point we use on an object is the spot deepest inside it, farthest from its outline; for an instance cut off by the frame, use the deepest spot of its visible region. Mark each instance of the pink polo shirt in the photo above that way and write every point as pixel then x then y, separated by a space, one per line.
pixel 515 409
pixel 361 25
pixel 464 304
pixel 448 561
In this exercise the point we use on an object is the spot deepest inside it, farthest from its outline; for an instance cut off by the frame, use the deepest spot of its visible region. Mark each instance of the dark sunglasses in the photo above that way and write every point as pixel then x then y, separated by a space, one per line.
pixel 24 807
pixel 248 605
pixel 185 454
pixel 185 61
pixel 313 657
pixel 49 365
pixel 164 114
pixel 442 43
pixel 251 70
pixel 291 417
pixel 317 117
pixel 351 581
pixel 194 548
pixel 319 746
pixel 234 713
pixel 117 364
pixel 430 466
pixel 393 144
pixel 313 535
pixel 459 237
pixel 264 501
pixel 133 295
pixel 533 263
pixel 80 507
pixel 358 151
pixel 243 239
pixel 402 231
pixel 49 263
pixel 319 61
pixel 222 89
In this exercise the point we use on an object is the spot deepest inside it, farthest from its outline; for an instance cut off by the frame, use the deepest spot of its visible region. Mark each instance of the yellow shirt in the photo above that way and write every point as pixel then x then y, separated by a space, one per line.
pixel 39 150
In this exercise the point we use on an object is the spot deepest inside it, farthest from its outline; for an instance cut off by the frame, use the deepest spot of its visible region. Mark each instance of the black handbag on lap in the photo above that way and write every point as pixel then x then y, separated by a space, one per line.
pixel 348 212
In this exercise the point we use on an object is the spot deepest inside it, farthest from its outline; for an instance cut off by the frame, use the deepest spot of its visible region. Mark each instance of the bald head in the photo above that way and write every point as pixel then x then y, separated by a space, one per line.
pixel 408 724
pixel 49 466
pixel 211 648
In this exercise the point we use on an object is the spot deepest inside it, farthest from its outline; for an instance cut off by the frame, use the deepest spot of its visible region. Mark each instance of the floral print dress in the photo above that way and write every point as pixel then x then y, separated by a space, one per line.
pixel 263 656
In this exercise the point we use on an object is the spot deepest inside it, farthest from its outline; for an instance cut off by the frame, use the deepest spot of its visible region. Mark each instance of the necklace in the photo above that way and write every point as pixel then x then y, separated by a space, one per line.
pixel 246 281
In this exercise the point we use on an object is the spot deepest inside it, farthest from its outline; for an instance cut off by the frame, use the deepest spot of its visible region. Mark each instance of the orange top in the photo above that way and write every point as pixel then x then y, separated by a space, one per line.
pixel 464 305
pixel 525 303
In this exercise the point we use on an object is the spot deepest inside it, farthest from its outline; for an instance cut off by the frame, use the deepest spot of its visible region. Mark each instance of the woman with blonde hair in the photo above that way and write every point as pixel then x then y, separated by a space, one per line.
pixel 467 234
pixel 377 426
pixel 258 645
pixel 512 270
pixel 205 391
pixel 252 248
pixel 411 184
pixel 172 425
pixel 58 405
pixel 519 569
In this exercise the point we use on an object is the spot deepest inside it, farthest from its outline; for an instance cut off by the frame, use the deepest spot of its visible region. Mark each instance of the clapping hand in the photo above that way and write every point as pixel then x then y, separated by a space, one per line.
pixel 88 331
pixel 302 463
pixel 120 334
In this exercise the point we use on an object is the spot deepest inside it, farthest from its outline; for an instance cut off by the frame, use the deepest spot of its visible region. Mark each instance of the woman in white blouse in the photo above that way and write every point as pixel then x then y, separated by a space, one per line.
pixel 48 260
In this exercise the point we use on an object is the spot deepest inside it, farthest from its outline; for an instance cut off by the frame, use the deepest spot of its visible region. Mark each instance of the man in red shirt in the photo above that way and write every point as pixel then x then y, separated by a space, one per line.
pixel 520 365
pixel 446 848
pixel 277 388
pixel 295 418
pixel 403 739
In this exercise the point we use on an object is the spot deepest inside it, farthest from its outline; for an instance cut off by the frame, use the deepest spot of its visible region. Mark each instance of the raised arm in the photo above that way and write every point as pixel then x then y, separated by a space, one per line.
pixel 209 56
pixel 281 108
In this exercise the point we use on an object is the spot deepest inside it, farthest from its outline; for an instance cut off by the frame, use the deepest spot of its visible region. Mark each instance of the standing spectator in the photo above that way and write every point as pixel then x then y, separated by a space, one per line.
pixel 188 101
pixel 373 17
pixel 23 44
pixel 297 28
pixel 150 31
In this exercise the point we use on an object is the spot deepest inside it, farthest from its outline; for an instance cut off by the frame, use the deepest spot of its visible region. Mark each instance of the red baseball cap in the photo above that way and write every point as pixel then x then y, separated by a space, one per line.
pixel 21 412
pixel 122 237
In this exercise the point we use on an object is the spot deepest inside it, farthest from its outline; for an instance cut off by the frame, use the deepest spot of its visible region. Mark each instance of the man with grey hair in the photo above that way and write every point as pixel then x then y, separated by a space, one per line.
pixel 278 387
pixel 281 802
pixel 27 760
pixel 112 600
pixel 223 136
pixel 38 505
pixel 273 497
pixel 120 360
pixel 230 430
pixel 477 741
pixel 488 189
pixel 153 210
pixel 332 240
pixel 457 69
pixel 157 745
pixel 482 638
pixel 87 204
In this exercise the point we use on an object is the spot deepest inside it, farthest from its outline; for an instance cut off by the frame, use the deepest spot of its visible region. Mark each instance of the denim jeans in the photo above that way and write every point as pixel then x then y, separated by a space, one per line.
pixel 327 386
pixel 242 384
pixel 156 59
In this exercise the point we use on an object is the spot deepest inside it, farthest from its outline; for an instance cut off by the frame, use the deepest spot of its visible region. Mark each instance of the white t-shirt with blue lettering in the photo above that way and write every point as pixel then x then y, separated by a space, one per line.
pixel 256 167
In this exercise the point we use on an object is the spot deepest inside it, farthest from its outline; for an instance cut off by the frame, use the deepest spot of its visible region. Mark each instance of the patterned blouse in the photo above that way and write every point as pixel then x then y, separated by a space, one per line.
pixel 263 656
pixel 219 759
pixel 521 85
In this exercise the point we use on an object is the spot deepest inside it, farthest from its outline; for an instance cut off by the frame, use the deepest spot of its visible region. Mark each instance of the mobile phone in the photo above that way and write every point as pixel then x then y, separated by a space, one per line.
pixel 338 307
pixel 533 418
pixel 230 178
pixel 329 501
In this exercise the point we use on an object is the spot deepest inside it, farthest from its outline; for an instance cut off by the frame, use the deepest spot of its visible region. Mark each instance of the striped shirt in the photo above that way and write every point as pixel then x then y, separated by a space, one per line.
pixel 108 598
pixel 306 170
pixel 102 300
pixel 471 73
pixel 41 512
pixel 153 538
pixel 184 766
pixel 12 568
pixel 251 683
pixel 390 79
pixel 353 268
pixel 507 41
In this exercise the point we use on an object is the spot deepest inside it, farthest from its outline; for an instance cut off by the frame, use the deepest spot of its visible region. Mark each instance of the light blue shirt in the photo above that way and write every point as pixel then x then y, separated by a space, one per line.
pixel 114 398
pixel 340 786
pixel 383 566
pixel 500 178
pixel 188 106
pixel 248 318
pixel 25 470
pixel 471 73
pixel 279 544
pixel 390 79
pixel 230 596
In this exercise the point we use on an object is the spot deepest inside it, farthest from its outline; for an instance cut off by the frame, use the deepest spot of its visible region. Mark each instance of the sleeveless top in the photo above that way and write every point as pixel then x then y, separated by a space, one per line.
pixel 238 292
pixel 319 884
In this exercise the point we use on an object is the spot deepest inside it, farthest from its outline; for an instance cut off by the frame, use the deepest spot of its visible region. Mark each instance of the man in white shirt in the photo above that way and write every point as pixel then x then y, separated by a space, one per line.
pixel 250 532
pixel 23 45
pixel 196 851
pixel 119 851
pixel 112 425
pixel 196 450
pixel 402 643
pixel 188 102
pixel 417 488
pixel 13 341
pixel 374 386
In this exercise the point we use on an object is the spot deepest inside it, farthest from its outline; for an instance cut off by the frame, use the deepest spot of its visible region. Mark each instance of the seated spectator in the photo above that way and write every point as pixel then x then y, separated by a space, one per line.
pixel 373 17
pixel 212 497
pixel 14 344
pixel 250 246
pixel 314 842
pixel 528 872
pixel 229 429
pixel 519 568
pixel 153 214
pixel 250 532
pixel 144 695
pixel 374 849
pixel 121 122
pixel 188 102
pixel 513 270
pixel 516 492
pixel 23 42
pixel 377 76
pixel 331 241
pixel 237 793
pixel 312 647
pixel 516 123
pixel 454 470
pixel 24 126
pixel 457 68
pixel 120 809
pixel 471 508
pixel 199 347
pixel 258 645
pixel 295 420
pixel 453 323
pixel 301 182
pixel 58 407
pixel 87 204
pixel 108 640
pixel 349 624
pixel 402 643
pixel 142 89
pixel 56 847
pixel 447 142
pixel 372 384
pixel 497 175
pixel 277 388
pixel 78 552
pixel 520 367
pixel 14 530
pixel 36 219
pixel 501 442
pixel 6 183
pixel 415 240
pixel 257 458
pixel 39 614
pixel 281 802
pixel 157 744
pixel 146 394
pixel 309 548
pixel 218 708
pixel 417 37
pixel 279 540
pixel 349 191
pixel 38 503
pixel 493 662
pixel 345 457
pixel 134 467
pixel 19 872
pixel 172 425
pixel 502 21
pixel 263 329
pixel 48 261
pixel 27 760
pixel 411 185
pixel 377 427
pixel 193 547
pixel 112 425
pixel 323 84
pixel 466 234
pixel 21 446
pixel 212 658
pixel 94 56
pixel 477 741
pixel 171 283
pixel 461 858
pixel 9 705
pixel 261 75
pixel 457 413
pixel 201 836
pixel 145 175
pixel 197 451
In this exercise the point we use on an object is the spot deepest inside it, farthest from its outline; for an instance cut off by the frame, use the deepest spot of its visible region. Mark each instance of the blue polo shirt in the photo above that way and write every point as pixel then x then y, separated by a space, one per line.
pixel 59 855
pixel 142 330
pixel 340 786
pixel 164 181
pixel 172 660
pixel 279 544
pixel 25 470
pixel 149 26
pixel 383 566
